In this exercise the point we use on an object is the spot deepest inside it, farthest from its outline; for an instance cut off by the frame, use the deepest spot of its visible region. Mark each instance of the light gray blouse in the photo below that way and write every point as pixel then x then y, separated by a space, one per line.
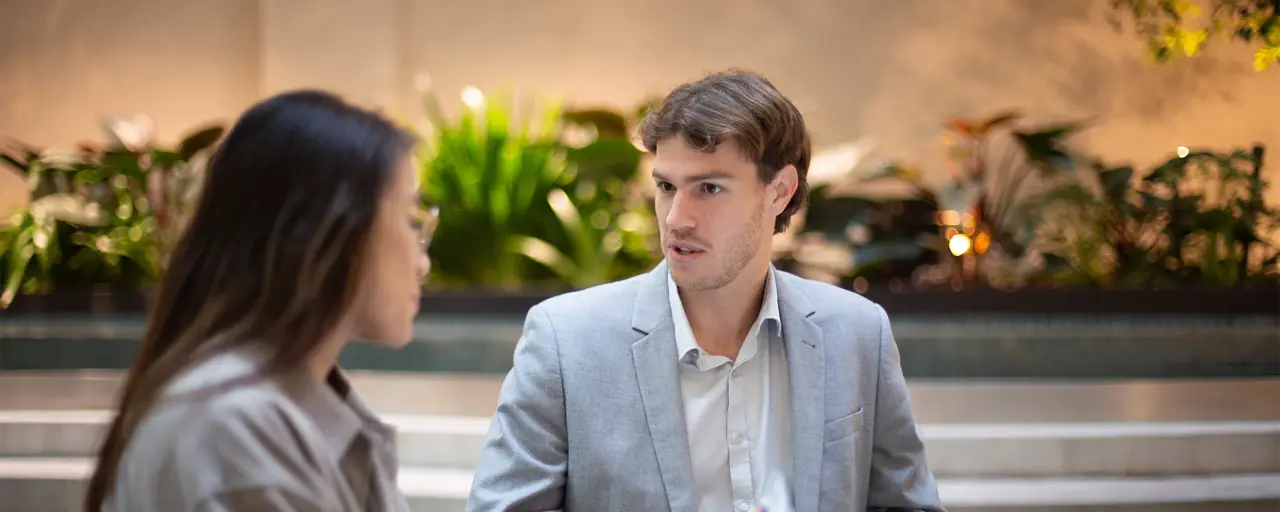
pixel 271 444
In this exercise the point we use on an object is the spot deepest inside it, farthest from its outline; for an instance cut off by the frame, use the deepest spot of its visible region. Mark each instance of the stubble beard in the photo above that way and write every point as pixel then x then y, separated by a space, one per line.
pixel 740 252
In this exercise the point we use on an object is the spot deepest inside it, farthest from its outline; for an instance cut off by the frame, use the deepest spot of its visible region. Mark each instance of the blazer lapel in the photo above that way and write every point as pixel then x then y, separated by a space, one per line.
pixel 658 375
pixel 803 340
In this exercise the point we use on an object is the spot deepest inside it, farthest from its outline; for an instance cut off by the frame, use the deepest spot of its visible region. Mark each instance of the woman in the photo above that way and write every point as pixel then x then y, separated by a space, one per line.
pixel 308 234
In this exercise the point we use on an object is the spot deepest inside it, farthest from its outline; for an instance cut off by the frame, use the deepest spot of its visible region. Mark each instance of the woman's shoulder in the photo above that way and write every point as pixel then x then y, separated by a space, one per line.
pixel 222 430
pixel 228 401
pixel 242 443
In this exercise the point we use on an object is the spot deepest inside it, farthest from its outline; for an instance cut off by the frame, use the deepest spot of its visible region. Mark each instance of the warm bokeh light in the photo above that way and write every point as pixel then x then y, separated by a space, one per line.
pixel 959 244
pixel 472 96
pixel 948 218
pixel 1183 151
pixel 981 242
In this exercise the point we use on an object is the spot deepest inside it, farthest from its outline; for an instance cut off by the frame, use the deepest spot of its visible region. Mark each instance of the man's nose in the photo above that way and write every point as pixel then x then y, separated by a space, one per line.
pixel 681 215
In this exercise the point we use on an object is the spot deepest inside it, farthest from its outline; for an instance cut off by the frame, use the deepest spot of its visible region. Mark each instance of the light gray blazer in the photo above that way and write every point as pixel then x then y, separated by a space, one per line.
pixel 590 418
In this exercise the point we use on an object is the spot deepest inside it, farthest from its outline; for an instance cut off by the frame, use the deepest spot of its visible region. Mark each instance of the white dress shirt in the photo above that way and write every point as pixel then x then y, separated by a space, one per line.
pixel 737 413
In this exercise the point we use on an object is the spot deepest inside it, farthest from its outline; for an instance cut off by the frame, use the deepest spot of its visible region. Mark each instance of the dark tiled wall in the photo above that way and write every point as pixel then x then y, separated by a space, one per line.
pixel 972 346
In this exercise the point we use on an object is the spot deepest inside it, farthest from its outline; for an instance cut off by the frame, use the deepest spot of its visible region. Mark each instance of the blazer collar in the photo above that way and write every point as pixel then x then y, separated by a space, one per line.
pixel 653 304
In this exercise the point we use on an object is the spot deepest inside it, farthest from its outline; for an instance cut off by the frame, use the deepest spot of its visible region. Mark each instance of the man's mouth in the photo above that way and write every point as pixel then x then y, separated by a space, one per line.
pixel 685 249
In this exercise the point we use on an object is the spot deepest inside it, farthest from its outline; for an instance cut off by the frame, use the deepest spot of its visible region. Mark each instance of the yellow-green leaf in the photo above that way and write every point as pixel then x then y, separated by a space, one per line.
pixel 1191 41
pixel 1264 57
pixel 1187 9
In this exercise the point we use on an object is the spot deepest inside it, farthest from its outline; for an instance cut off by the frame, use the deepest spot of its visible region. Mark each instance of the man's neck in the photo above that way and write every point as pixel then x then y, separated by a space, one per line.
pixel 721 318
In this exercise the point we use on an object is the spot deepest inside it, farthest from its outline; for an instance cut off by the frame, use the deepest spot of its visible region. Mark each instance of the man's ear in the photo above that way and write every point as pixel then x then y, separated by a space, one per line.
pixel 784 187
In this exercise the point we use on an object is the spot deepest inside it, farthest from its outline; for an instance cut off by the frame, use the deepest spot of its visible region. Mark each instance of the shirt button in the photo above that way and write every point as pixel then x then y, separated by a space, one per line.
pixel 734 373
pixel 736 438
pixel 742 505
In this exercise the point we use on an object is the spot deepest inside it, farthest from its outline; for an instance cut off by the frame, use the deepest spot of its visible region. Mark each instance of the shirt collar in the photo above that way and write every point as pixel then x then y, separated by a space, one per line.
pixel 687 349
pixel 337 410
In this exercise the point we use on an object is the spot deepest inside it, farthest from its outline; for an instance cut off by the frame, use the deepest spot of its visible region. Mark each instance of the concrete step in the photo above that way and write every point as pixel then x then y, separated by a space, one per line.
pixel 934 401
pixel 56 484
pixel 1109 492
pixel 959 450
pixel 45 484
pixel 1103 449
pixel 423 440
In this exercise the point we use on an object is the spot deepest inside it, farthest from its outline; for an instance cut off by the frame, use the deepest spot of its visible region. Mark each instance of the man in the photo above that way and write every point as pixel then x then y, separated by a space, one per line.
pixel 714 382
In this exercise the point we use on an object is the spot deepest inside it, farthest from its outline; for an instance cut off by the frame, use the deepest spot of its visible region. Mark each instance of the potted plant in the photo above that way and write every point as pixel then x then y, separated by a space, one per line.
pixel 99 215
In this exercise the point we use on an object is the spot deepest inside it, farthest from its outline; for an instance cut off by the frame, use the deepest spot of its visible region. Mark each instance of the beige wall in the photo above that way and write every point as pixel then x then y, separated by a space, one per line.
pixel 66 63
pixel 350 47
pixel 889 71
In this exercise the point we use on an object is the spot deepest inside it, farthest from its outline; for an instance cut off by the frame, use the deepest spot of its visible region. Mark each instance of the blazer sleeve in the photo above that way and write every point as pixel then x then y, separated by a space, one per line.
pixel 900 475
pixel 523 463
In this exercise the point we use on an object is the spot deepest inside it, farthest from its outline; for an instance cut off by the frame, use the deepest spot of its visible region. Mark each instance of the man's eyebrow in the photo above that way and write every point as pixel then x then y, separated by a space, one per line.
pixel 706 176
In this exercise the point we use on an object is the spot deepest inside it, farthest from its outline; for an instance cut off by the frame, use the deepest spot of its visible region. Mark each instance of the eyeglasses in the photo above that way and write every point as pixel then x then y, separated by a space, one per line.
pixel 428 219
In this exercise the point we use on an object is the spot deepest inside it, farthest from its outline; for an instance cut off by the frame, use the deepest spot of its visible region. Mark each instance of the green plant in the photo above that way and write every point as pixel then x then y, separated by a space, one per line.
pixel 1174 27
pixel 607 224
pixel 854 239
pixel 519 206
pixel 98 215
pixel 1194 220
pixel 978 207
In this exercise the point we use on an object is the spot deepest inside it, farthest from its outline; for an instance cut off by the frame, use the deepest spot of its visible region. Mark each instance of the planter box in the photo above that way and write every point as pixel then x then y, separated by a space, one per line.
pixel 1028 334
pixel 1217 302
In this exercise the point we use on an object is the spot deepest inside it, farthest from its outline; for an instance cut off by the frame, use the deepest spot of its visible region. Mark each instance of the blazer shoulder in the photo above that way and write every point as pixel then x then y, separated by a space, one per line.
pixel 831 301
pixel 600 303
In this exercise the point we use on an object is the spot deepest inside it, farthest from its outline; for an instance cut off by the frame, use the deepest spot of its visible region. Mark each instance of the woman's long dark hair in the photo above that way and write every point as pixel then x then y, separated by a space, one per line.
pixel 272 254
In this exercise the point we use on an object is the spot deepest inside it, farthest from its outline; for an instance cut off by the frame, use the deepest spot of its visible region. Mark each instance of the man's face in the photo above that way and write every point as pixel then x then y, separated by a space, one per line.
pixel 714 214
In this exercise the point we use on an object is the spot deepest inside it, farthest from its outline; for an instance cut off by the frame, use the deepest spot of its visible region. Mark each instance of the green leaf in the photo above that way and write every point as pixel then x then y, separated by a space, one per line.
pixel 1070 193
pixel 199 141
pixel 549 256
pixel 1047 147
pixel 1169 173
pixel 833 215
pixel 647 106
pixel 1246 33
pixel 1215 221
pixel 1244 233
pixel 1116 183
pixel 121 161
pixel 93 174
pixel 163 159
pixel 605 159
pixel 19 252
pixel 609 124
pixel 1153 202
pixel 896 171
pixel 14 163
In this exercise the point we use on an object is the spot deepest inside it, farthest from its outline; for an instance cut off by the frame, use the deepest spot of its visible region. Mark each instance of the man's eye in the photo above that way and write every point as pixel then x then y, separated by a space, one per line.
pixel 666 187
pixel 712 189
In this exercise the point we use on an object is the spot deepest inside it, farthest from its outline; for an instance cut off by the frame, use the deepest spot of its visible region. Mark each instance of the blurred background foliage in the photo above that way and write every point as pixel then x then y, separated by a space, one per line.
pixel 537 195
pixel 534 195
pixel 102 214
pixel 1179 28
pixel 1021 209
